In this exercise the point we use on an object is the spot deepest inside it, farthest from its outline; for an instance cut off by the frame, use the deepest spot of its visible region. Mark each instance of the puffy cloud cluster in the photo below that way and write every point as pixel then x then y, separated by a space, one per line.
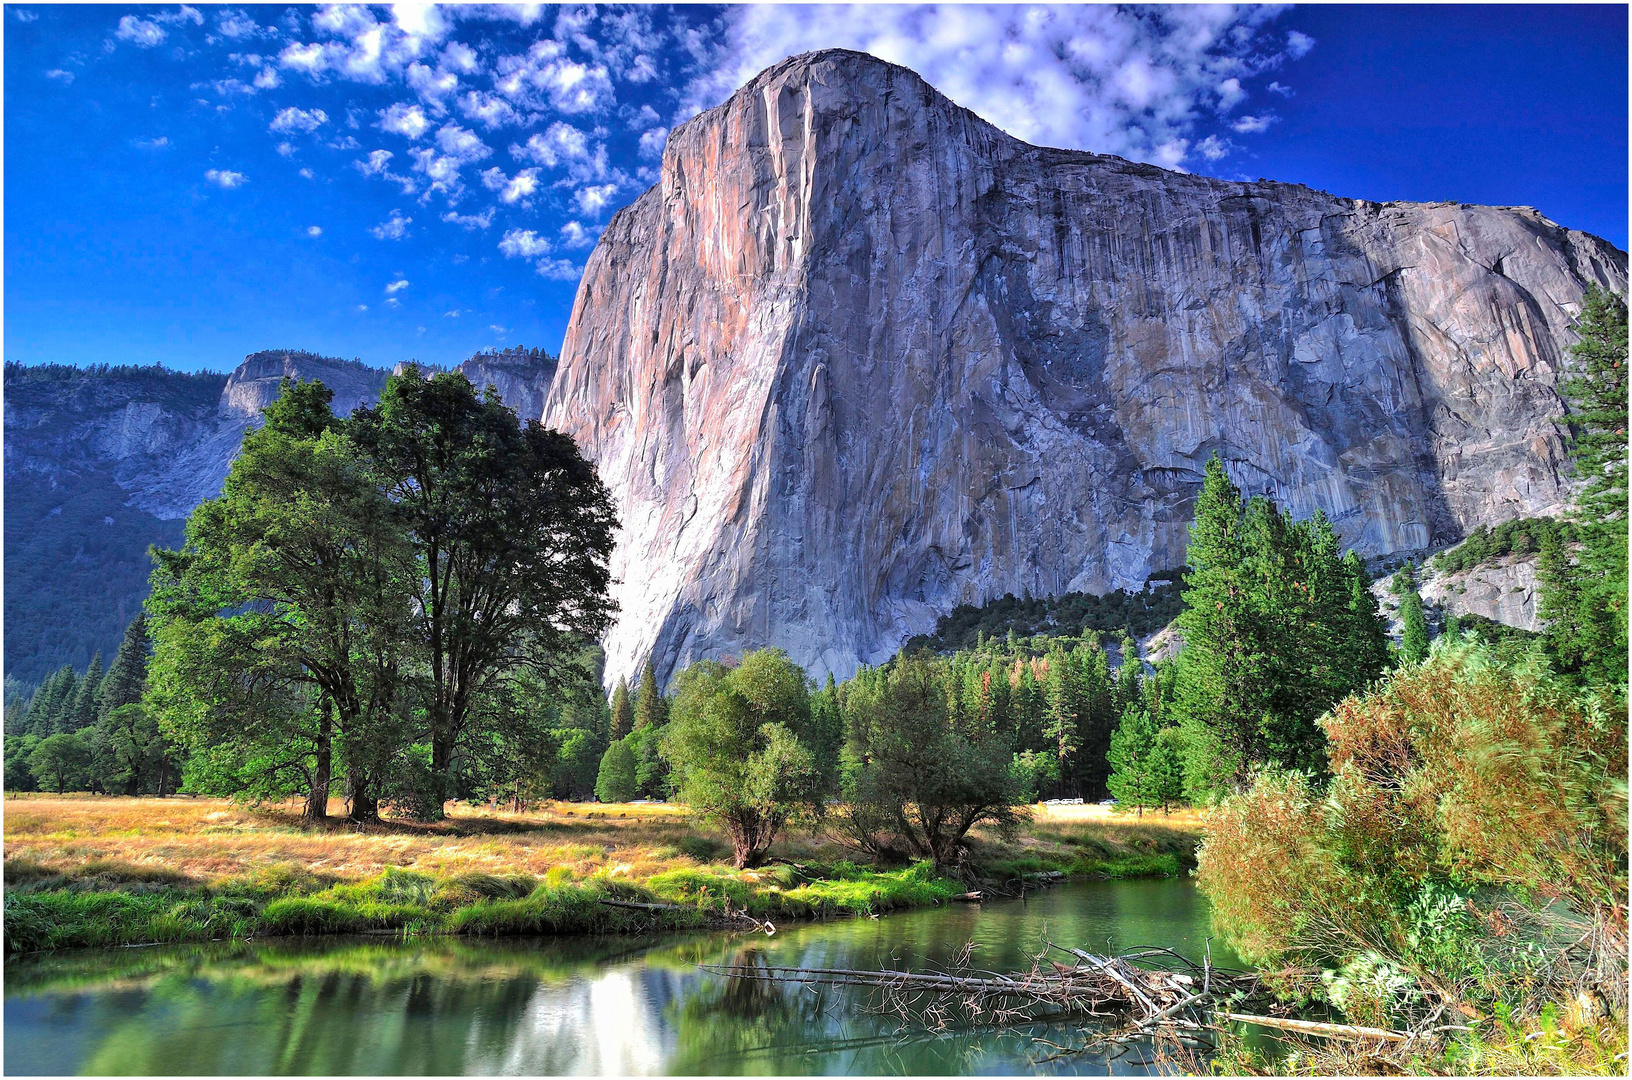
pixel 1119 80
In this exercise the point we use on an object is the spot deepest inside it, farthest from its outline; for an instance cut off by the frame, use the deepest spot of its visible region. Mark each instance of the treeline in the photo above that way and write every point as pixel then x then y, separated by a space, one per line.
pixel 90 733
pixel 67 372
pixel 1521 536
pixel 1073 614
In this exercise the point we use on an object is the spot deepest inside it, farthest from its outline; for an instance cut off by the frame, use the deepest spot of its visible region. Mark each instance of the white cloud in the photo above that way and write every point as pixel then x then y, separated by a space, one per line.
pixel 497 329
pixel 299 120
pixel 393 229
pixel 511 189
pixel 158 143
pixel 139 32
pixel 574 235
pixel 235 25
pixel 562 145
pixel 1298 44
pixel 406 120
pixel 559 269
pixel 23 15
pixel 1212 147
pixel 308 174
pixel 432 86
pixel 267 79
pixel 313 231
pixel 61 75
pixel 592 200
pixel 487 110
pixel 226 178
pixel 469 221
pixel 460 57
pixel 454 314
pixel 286 149
pixel 377 160
pixel 1117 80
pixel 1252 125
pixel 523 244
pixel 1230 94
pixel 362 307
pixel 461 144
pixel 396 286
pixel 545 76
pixel 1277 88
pixel 653 141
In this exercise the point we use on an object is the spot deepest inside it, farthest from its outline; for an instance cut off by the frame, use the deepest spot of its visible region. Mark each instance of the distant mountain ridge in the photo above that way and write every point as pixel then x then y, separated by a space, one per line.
pixel 101 462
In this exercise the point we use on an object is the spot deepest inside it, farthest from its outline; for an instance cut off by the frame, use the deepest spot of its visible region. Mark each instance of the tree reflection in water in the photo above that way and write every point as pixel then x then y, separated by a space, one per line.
pixel 559 1006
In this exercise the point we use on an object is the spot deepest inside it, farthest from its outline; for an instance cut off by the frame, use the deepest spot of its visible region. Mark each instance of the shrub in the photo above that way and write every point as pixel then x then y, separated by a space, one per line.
pixel 1473 828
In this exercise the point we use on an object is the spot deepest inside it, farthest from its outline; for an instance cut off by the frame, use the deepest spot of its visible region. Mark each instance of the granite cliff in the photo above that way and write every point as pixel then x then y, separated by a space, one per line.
pixel 859 356
pixel 102 462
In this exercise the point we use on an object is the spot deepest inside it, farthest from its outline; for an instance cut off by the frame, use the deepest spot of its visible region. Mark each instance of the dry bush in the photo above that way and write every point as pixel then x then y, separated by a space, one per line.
pixel 1473 832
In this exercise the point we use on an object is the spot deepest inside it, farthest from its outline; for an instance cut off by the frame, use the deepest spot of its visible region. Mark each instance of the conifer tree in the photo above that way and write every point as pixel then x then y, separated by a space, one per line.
pixel 1413 622
pixel 1129 674
pixel 125 679
pixel 54 697
pixel 615 783
pixel 651 708
pixel 1167 767
pixel 84 712
pixel 1133 758
pixel 1585 604
pixel 623 713
pixel 1098 719
pixel 1063 709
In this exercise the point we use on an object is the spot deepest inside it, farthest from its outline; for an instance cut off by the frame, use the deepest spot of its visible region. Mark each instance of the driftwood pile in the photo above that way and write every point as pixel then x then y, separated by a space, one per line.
pixel 1155 993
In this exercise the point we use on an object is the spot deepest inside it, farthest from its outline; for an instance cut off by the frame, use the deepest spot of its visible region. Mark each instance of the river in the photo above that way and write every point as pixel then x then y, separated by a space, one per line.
pixel 556 1006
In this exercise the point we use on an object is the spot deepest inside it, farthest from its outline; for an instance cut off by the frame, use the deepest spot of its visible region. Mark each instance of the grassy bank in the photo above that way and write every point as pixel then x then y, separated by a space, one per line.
pixel 89 871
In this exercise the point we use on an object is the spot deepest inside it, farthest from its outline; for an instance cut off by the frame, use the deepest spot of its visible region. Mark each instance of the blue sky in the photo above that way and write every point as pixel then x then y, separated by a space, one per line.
pixel 187 185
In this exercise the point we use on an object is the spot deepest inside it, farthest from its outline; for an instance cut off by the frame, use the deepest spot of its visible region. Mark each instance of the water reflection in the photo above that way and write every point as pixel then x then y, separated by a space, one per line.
pixel 563 1006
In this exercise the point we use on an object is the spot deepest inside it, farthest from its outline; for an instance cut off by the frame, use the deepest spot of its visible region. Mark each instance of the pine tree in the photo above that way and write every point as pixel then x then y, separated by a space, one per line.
pixel 615 783
pixel 623 713
pixel 1133 780
pixel 84 711
pixel 1098 719
pixel 1129 674
pixel 126 678
pixel 1585 605
pixel 54 697
pixel 651 708
pixel 1028 711
pixel 1167 768
pixel 1226 674
pixel 1367 630
pixel 1413 622
pixel 1063 696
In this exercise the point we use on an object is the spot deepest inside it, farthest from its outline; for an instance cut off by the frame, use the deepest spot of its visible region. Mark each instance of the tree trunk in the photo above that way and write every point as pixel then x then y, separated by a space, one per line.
pixel 365 802
pixel 317 800
pixel 441 767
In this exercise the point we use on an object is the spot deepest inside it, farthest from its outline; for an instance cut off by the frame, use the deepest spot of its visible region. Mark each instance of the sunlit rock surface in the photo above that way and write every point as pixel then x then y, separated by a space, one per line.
pixel 859 356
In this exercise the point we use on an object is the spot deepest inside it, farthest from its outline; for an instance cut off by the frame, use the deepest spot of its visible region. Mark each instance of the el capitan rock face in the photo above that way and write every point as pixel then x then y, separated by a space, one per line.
pixel 860 356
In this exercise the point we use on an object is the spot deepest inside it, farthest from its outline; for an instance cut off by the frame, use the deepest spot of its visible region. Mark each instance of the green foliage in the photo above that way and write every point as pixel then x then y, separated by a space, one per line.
pixel 623 715
pixel 1142 767
pixel 1413 620
pixel 1519 536
pixel 1467 793
pixel 734 744
pixel 509 529
pixel 1584 594
pixel 1277 626
pixel 922 763
pixel 62 762
pixel 1070 615
pixel 615 783
pixel 651 707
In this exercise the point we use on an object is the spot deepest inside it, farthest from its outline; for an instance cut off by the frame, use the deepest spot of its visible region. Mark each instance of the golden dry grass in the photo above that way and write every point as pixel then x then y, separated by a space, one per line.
pixel 213 841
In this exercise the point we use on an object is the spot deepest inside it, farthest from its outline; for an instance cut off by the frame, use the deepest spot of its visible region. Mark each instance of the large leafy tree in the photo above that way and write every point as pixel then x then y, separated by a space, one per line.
pixel 735 743
pixel 1584 597
pixel 282 623
pixel 511 529
pixel 919 773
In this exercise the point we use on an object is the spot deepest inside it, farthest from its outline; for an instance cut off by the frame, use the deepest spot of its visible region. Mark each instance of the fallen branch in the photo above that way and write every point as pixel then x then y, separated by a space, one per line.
pixel 1310 1027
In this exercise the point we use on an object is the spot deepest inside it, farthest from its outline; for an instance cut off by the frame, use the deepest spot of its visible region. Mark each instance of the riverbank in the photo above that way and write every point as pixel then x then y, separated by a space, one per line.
pixel 86 871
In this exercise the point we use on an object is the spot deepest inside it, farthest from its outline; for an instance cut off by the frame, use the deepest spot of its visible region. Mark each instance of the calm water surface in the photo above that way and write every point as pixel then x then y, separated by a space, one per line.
pixel 559 1006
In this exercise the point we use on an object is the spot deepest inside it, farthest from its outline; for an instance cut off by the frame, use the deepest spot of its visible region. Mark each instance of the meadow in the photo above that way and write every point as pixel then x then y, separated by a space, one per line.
pixel 100 871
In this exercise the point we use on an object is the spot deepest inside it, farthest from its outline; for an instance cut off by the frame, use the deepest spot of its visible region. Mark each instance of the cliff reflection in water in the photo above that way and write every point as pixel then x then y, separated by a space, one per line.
pixel 556 1006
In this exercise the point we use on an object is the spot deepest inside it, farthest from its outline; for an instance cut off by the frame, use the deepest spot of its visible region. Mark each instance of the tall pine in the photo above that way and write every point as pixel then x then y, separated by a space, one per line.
pixel 651 707
pixel 125 679
pixel 623 713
